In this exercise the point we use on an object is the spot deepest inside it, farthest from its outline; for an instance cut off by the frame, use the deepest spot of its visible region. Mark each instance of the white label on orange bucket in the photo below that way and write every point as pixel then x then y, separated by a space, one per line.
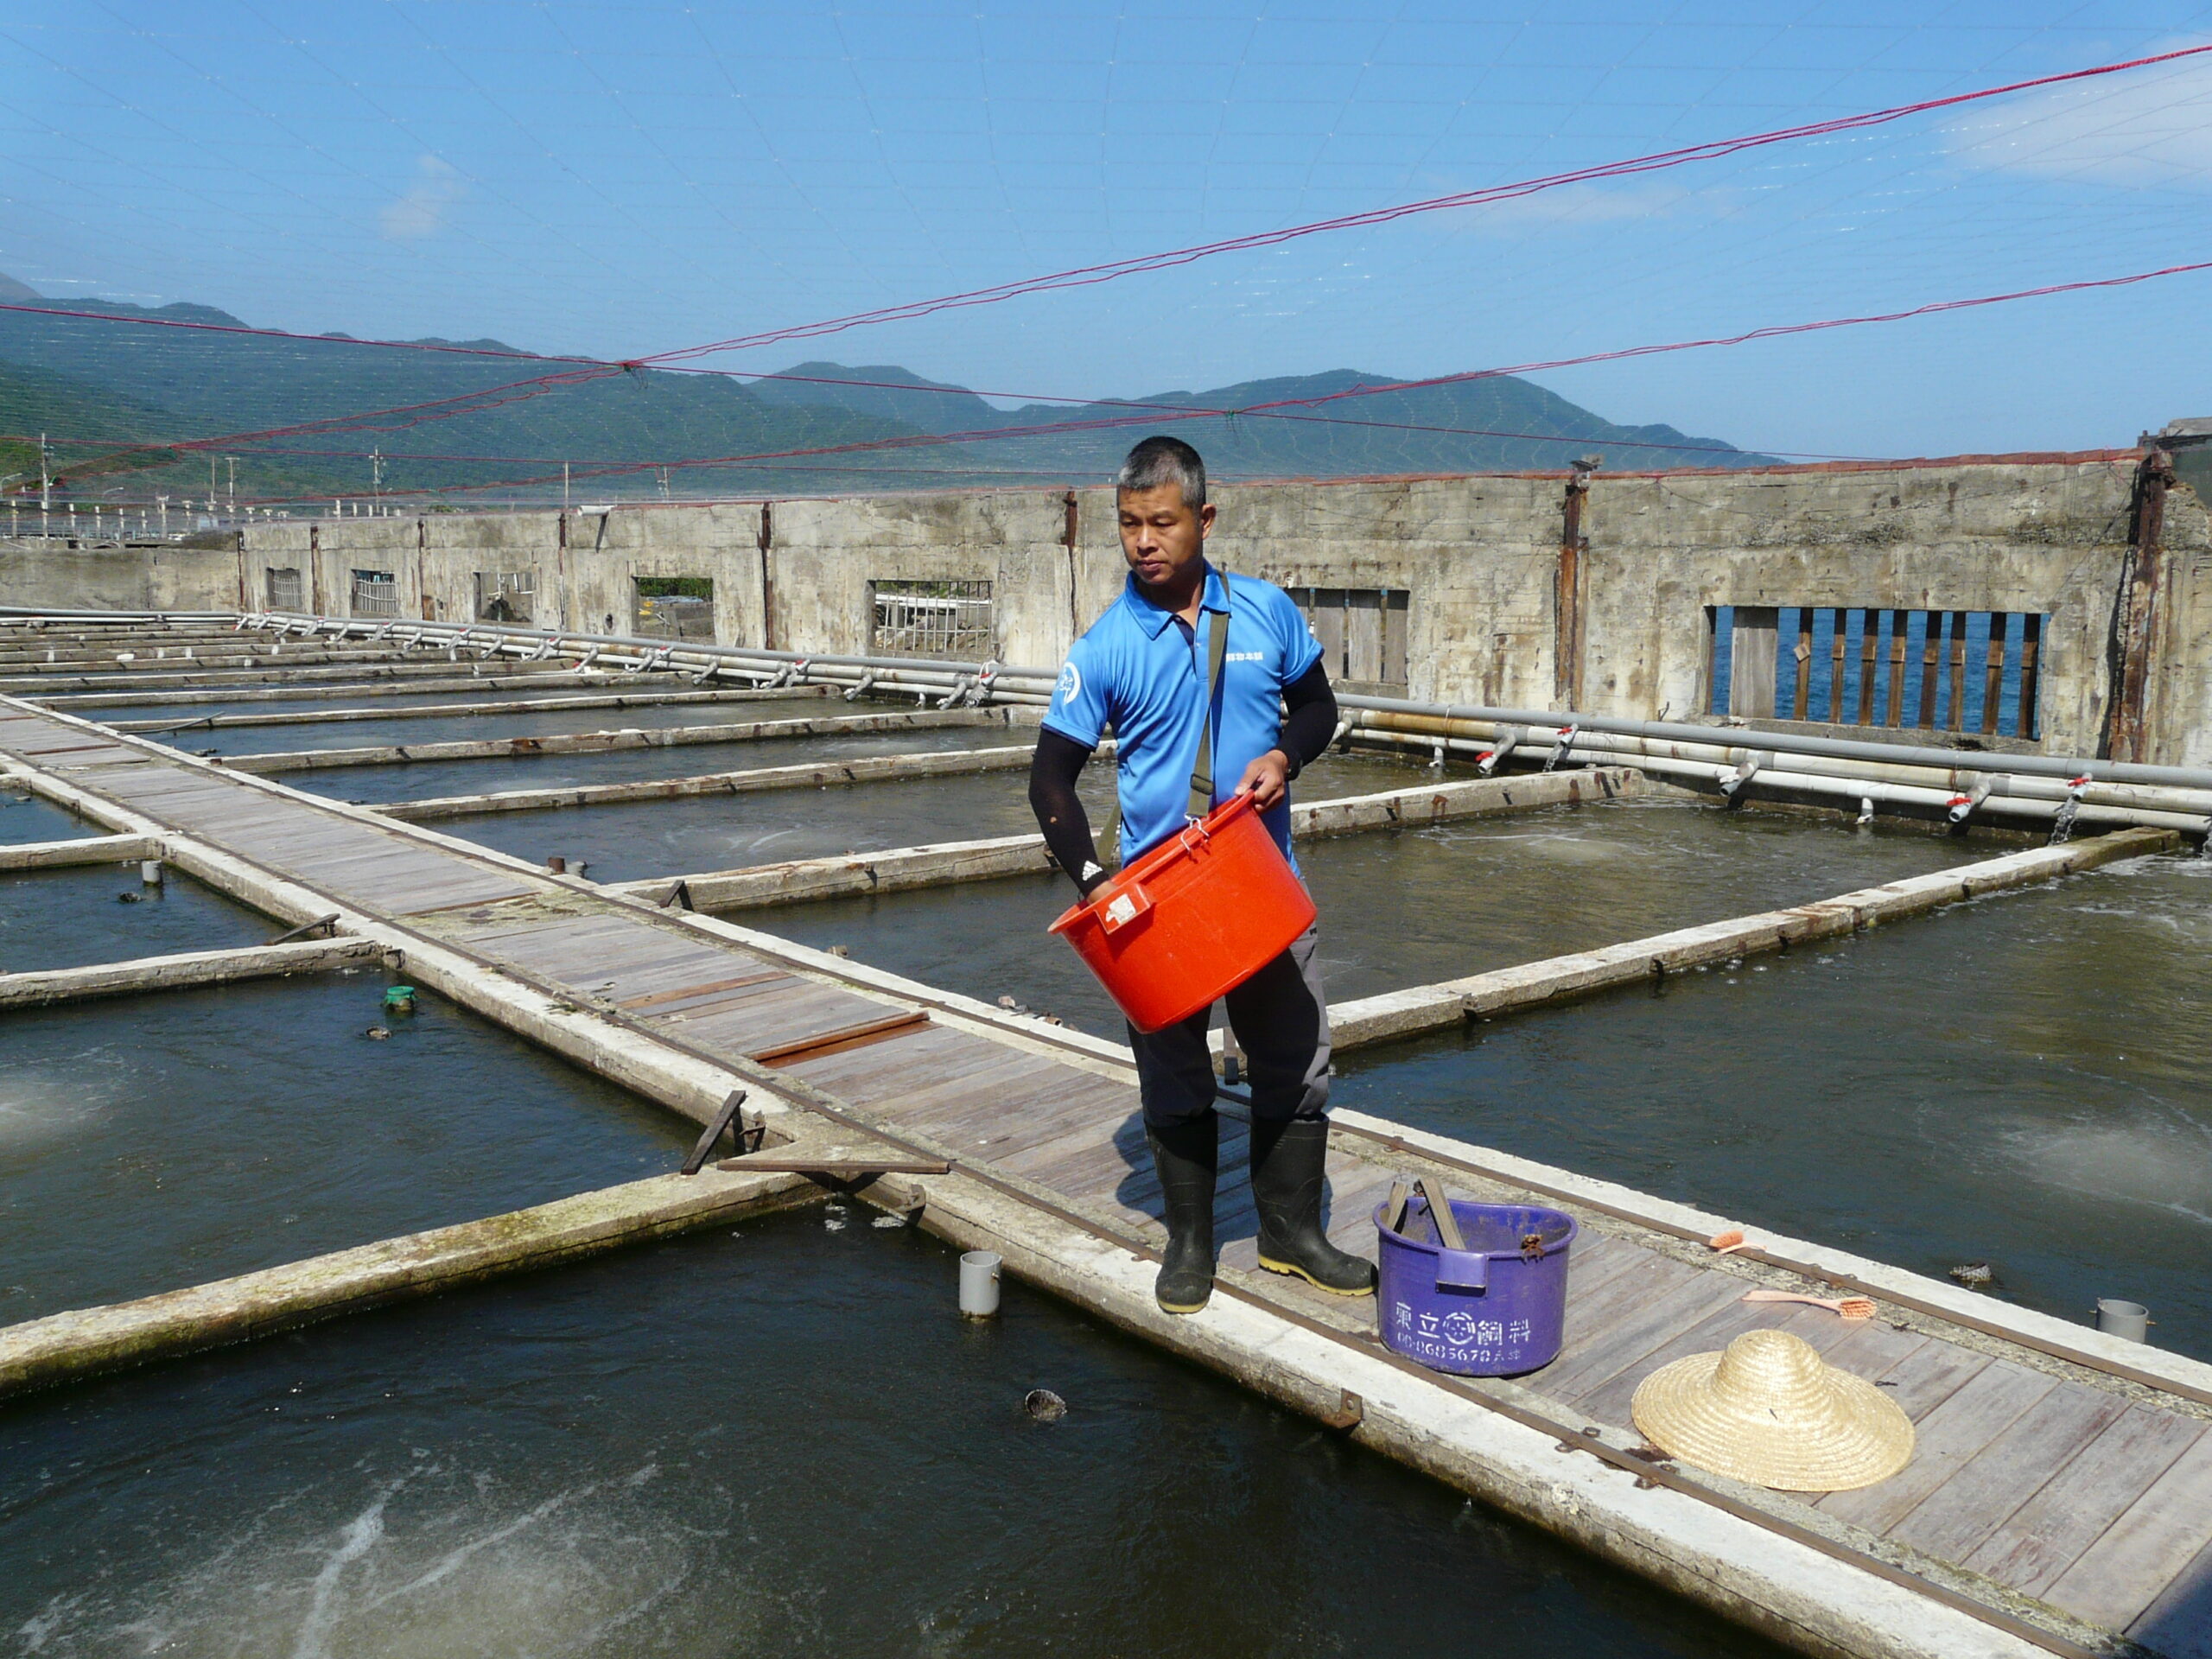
pixel 1123 911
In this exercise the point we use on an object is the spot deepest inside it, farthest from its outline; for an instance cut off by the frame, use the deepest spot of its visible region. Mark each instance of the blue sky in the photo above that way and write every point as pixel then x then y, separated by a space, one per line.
pixel 619 179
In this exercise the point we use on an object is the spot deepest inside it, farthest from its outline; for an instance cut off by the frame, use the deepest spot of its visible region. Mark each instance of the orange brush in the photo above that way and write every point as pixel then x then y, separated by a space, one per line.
pixel 1851 1307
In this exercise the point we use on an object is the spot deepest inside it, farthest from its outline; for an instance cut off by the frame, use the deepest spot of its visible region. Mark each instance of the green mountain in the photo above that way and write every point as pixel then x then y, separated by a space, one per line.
pixel 1297 426
pixel 302 417
pixel 106 431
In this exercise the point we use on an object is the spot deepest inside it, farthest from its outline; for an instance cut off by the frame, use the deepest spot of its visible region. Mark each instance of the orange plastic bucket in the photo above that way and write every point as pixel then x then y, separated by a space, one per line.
pixel 1192 919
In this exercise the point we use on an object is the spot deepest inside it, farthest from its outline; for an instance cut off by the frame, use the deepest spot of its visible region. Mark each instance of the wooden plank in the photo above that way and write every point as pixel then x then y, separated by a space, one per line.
pixel 2035 1544
pixel 2178 1624
pixel 866 1034
pixel 1928 1376
pixel 782 1014
pixel 1631 1333
pixel 1950 1436
pixel 929 1086
pixel 1606 1400
pixel 2162 1533
pixel 1966 1510
pixel 667 1004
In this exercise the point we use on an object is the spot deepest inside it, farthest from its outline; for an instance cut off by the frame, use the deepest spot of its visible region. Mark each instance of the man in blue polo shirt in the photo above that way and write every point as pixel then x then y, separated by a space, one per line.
pixel 1142 669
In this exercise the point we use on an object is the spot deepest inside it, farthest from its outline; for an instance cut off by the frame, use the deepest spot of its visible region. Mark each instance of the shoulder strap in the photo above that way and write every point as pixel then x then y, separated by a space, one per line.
pixel 1201 801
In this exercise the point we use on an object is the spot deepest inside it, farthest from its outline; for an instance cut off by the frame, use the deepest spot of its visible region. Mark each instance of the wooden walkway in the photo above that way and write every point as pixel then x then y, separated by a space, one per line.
pixel 2056 1499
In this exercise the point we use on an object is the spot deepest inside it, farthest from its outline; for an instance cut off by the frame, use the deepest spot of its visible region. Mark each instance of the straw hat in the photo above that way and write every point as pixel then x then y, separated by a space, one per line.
pixel 1770 1411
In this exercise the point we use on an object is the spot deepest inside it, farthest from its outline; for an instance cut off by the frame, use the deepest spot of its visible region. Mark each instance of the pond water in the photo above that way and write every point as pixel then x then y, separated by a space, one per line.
pixel 772 1439
pixel 79 915
pixel 476 728
pixel 638 840
pixel 412 781
pixel 25 818
pixel 153 1141
pixel 1410 906
pixel 2018 1080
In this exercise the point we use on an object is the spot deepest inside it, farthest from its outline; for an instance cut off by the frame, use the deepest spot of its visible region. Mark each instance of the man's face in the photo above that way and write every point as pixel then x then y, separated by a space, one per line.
pixel 1162 538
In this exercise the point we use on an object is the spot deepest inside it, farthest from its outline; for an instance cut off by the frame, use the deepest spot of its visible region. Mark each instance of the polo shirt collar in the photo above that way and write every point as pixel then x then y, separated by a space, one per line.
pixel 1153 617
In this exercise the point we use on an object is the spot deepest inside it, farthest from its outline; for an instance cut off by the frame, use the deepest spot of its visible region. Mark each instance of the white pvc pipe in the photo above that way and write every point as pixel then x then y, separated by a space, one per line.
pixel 979 1284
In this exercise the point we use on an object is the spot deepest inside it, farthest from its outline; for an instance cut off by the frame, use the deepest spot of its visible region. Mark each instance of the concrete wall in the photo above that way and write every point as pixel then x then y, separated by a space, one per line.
pixel 1481 556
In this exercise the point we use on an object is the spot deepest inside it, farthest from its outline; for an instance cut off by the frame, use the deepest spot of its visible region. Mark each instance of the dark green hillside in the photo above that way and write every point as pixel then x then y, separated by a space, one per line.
pixel 498 429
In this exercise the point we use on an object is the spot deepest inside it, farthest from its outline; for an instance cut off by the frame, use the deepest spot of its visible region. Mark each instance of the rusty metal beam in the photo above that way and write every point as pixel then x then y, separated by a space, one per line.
pixel 2136 612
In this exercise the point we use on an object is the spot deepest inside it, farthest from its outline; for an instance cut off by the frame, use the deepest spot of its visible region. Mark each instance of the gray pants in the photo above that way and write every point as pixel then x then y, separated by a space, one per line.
pixel 1281 1017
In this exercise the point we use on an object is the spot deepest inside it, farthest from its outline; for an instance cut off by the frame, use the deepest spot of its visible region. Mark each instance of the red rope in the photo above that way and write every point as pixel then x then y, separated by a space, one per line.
pixel 1085 275
pixel 1154 417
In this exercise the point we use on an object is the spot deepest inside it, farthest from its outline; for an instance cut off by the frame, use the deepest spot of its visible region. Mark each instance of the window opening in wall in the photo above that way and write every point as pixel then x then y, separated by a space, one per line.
pixel 675 607
pixel 284 590
pixel 504 596
pixel 1363 635
pixel 376 593
pixel 1978 672
pixel 932 619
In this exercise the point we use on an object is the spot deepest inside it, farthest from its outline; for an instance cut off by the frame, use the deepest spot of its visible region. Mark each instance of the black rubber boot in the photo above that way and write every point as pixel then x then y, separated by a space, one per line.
pixel 1186 1156
pixel 1286 1177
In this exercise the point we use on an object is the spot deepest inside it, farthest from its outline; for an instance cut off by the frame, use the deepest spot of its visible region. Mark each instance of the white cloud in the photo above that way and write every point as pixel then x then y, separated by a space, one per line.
pixel 422 211
pixel 2141 126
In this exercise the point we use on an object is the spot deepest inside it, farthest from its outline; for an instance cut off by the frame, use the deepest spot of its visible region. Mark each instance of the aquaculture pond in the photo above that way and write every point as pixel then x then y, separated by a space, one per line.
pixel 775 1438
pixel 418 779
pixel 81 914
pixel 636 839
pixel 25 818
pixel 256 700
pixel 1411 906
pixel 478 728
pixel 152 1141
pixel 2019 1081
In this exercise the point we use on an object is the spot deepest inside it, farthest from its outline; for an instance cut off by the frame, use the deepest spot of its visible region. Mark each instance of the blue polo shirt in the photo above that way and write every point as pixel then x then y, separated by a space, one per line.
pixel 1138 672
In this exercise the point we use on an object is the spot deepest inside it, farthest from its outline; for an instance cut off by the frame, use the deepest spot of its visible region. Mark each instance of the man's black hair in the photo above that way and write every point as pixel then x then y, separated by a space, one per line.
pixel 1160 459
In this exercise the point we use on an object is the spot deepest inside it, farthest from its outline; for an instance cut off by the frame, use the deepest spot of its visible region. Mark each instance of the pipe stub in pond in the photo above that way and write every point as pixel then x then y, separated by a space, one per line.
pixel 399 998
pixel 2128 1319
pixel 979 1284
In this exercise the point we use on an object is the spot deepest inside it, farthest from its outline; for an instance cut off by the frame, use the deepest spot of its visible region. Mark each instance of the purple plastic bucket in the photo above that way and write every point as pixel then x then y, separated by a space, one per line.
pixel 1493 1309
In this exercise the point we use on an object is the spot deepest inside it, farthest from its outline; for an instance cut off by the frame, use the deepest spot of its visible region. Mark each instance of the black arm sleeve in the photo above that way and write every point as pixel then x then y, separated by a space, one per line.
pixel 1059 762
pixel 1311 718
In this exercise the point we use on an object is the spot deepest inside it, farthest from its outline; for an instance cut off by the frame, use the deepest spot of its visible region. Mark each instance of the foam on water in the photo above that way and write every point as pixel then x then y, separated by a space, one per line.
pixel 2161 1159
pixel 54 1100
pixel 446 1561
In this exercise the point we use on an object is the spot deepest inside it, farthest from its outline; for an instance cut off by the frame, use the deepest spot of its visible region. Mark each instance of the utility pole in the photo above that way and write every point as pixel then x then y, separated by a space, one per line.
pixel 164 500
pixel 45 487
pixel 376 477
pixel 211 484
pixel 564 486
pixel 233 461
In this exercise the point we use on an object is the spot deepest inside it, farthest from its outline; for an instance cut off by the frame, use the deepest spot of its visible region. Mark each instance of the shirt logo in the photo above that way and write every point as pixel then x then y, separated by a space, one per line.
pixel 1244 656
pixel 1070 685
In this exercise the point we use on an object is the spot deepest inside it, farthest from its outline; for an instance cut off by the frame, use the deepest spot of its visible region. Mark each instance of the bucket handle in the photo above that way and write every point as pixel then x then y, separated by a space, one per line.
pixel 1122 908
pixel 1462 1270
